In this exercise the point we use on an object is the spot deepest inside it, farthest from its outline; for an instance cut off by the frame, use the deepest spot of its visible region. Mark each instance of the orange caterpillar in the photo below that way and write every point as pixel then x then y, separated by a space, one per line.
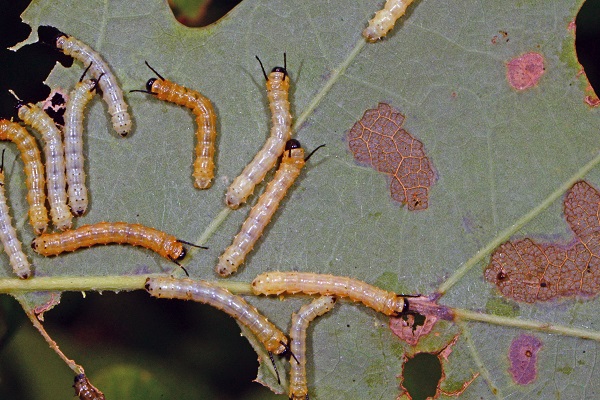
pixel 204 166
pixel 34 172
pixel 371 296
pixel 51 244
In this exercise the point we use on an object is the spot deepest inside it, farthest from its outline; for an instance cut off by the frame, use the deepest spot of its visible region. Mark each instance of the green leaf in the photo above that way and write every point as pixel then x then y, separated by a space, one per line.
pixel 504 157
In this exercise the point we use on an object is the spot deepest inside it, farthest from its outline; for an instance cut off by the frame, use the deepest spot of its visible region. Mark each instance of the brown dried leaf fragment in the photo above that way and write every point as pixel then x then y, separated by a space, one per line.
pixel 378 140
pixel 527 271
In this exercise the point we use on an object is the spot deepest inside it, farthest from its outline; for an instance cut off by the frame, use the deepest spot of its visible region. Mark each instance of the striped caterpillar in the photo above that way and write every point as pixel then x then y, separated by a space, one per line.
pixel 34 172
pixel 373 297
pixel 85 390
pixel 111 92
pixel 79 97
pixel 8 234
pixel 168 246
pixel 278 85
pixel 203 292
pixel 306 314
pixel 384 19
pixel 54 154
pixel 204 165
pixel 291 164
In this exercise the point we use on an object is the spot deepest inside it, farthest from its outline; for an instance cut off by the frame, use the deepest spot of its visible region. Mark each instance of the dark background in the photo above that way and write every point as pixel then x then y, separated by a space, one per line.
pixel 198 343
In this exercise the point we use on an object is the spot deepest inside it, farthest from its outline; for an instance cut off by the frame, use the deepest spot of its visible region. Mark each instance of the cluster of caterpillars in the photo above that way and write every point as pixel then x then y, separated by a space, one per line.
pixel 329 287
pixel 64 175
pixel 67 195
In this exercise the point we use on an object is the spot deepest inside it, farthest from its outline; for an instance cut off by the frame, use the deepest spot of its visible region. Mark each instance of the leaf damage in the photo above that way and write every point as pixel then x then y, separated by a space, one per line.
pixel 424 373
pixel 523 358
pixel 525 71
pixel 528 271
pixel 378 140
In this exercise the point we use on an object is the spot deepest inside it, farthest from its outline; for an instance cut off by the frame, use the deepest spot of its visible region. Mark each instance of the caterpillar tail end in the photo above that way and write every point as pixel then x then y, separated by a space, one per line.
pixel 371 34
pixel 203 183
pixel 225 267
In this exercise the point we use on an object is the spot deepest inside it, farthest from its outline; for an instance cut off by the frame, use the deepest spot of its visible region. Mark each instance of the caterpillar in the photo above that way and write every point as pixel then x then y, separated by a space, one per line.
pixel 278 85
pixel 206 119
pixel 34 172
pixel 79 97
pixel 111 92
pixel 373 297
pixel 85 390
pixel 203 292
pixel 168 246
pixel 384 19
pixel 35 117
pixel 8 234
pixel 307 313
pixel 291 164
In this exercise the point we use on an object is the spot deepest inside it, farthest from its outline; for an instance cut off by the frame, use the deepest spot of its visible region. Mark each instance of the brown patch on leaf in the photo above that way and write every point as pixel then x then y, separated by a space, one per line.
pixel 528 271
pixel 411 327
pixel 379 141
pixel 501 36
pixel 525 71
pixel 590 98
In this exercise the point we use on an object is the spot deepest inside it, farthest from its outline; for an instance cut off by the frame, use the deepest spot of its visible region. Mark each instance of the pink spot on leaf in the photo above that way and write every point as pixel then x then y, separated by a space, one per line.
pixel 523 358
pixel 525 71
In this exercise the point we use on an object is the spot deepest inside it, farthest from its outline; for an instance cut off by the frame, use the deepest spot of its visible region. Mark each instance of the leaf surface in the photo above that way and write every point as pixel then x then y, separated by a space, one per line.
pixel 499 154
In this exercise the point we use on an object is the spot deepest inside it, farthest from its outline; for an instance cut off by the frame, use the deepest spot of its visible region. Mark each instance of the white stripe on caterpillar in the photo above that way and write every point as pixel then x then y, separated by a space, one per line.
pixel 79 97
pixel 54 154
pixel 278 85
pixel 384 19
pixel 262 212
pixel 306 314
pixel 203 292
pixel 111 92
pixel 8 235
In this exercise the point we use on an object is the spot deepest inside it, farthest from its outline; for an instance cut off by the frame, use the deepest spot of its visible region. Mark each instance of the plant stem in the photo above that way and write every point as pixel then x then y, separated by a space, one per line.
pixel 96 283
pixel 526 324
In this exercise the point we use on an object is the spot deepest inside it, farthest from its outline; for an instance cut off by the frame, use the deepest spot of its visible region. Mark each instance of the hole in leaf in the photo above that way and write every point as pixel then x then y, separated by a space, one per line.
pixel 196 13
pixel 421 375
pixel 24 70
pixel 587 39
